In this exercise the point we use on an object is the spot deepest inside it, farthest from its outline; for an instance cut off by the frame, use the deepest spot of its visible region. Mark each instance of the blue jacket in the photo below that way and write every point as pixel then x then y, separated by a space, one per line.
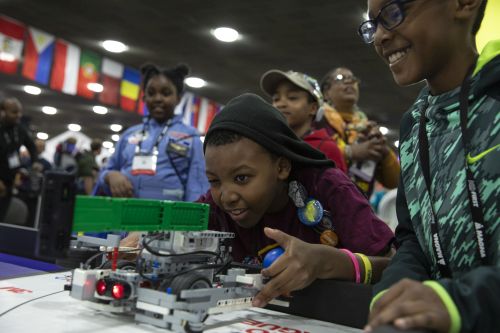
pixel 165 184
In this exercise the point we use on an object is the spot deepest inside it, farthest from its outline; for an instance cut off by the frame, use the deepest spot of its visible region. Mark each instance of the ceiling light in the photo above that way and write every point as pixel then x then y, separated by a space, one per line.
pixel 116 127
pixel 95 87
pixel 7 57
pixel 114 46
pixel 111 150
pixel 195 82
pixel 107 144
pixel 396 143
pixel 32 90
pixel 115 137
pixel 100 109
pixel 225 34
pixel 50 110
pixel 384 130
pixel 42 135
pixel 74 127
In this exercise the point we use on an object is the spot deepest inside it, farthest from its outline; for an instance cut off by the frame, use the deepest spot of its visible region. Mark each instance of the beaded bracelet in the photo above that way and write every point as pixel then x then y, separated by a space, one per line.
pixel 355 264
pixel 368 268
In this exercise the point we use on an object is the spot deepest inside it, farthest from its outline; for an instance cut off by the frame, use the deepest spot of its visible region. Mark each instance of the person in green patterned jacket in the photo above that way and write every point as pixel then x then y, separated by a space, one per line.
pixel 445 275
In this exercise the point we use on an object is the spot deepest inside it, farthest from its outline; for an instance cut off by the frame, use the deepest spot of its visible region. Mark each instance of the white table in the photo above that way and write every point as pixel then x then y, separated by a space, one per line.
pixel 60 313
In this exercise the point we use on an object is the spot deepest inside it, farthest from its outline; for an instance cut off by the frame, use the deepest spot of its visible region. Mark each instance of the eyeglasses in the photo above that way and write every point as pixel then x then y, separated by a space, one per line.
pixel 390 16
pixel 345 79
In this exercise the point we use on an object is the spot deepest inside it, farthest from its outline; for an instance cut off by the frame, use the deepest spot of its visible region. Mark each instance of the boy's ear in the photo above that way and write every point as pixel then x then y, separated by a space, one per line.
pixel 314 109
pixel 467 9
pixel 284 168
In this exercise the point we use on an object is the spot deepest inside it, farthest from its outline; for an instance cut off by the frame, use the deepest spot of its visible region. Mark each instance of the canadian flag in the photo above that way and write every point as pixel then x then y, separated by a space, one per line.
pixel 11 44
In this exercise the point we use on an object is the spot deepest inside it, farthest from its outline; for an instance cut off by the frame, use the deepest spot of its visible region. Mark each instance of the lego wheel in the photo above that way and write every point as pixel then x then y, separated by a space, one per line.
pixel 189 329
pixel 189 281
pixel 120 264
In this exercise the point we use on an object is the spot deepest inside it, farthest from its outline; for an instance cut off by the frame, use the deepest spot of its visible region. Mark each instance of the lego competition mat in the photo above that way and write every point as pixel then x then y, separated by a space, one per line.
pixel 58 312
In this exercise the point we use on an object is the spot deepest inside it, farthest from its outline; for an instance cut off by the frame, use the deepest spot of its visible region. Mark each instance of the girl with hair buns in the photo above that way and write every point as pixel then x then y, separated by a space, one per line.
pixel 162 158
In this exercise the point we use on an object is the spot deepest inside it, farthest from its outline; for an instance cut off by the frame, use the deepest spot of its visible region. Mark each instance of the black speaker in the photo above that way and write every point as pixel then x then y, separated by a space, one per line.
pixel 56 214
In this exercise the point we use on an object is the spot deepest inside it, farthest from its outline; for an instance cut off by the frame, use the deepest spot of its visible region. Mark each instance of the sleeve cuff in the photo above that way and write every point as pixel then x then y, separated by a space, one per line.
pixel 376 298
pixel 456 320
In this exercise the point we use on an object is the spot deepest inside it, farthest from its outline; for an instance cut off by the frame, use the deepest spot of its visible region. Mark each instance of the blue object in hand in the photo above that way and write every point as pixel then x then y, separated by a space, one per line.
pixel 271 256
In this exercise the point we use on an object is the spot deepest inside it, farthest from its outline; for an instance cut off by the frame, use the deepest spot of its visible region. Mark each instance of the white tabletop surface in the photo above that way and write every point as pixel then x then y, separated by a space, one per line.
pixel 61 313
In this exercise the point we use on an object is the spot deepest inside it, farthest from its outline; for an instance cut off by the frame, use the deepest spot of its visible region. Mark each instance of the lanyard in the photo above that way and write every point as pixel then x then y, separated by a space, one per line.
pixel 472 189
pixel 8 139
pixel 158 139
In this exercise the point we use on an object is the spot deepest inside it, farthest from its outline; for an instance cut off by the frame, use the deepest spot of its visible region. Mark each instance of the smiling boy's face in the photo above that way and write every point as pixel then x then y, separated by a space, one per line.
pixel 423 46
pixel 246 181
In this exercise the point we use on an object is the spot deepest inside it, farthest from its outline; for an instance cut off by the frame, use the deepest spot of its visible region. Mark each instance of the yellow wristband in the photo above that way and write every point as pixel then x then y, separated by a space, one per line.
pixel 368 268
pixel 456 320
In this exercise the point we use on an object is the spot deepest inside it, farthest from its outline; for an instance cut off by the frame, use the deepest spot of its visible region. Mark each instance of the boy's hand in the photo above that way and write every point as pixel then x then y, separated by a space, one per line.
pixel 119 184
pixel 294 269
pixel 410 304
pixel 132 240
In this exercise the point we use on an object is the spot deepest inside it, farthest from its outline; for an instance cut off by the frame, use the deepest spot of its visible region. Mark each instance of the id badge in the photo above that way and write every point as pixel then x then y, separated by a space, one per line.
pixel 364 170
pixel 144 165
pixel 14 161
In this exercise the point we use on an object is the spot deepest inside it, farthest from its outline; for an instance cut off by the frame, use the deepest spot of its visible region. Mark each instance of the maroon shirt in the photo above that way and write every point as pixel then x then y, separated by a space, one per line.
pixel 355 223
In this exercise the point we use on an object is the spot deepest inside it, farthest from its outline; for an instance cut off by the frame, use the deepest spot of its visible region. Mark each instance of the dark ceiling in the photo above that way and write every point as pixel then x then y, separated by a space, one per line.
pixel 310 36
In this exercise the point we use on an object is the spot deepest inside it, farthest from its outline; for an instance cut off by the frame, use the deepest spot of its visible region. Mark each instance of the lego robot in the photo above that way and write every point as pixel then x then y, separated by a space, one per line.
pixel 177 280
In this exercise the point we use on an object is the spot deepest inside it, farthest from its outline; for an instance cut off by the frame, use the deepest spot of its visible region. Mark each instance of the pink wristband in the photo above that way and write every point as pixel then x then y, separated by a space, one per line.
pixel 355 262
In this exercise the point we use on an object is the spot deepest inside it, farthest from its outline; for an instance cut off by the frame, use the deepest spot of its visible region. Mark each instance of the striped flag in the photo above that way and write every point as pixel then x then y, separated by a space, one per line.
pixel 112 73
pixel 142 108
pixel 38 55
pixel 11 44
pixel 195 111
pixel 65 68
pixel 129 89
pixel 88 73
pixel 185 107
pixel 206 113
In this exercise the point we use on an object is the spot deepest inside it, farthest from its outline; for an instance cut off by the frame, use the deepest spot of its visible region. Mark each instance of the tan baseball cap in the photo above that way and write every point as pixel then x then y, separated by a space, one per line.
pixel 270 80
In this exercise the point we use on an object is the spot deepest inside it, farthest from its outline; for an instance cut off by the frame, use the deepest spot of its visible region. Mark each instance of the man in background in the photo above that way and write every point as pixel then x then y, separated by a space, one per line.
pixel 88 170
pixel 12 137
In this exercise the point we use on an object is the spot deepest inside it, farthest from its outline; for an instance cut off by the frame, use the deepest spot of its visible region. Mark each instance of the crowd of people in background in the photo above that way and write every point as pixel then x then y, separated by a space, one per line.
pixel 326 116
pixel 23 165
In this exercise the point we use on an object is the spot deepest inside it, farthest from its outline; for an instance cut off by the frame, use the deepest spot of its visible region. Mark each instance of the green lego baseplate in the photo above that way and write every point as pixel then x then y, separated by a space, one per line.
pixel 100 214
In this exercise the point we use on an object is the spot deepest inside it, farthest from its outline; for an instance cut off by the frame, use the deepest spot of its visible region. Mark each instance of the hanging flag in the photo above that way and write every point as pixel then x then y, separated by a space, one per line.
pixel 65 67
pixel 88 73
pixel 202 115
pixel 11 44
pixel 212 110
pixel 195 111
pixel 142 108
pixel 38 55
pixel 111 76
pixel 206 114
pixel 129 89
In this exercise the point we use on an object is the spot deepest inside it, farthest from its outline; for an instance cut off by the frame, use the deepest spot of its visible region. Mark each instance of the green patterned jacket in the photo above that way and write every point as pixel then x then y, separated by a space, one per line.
pixel 474 289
